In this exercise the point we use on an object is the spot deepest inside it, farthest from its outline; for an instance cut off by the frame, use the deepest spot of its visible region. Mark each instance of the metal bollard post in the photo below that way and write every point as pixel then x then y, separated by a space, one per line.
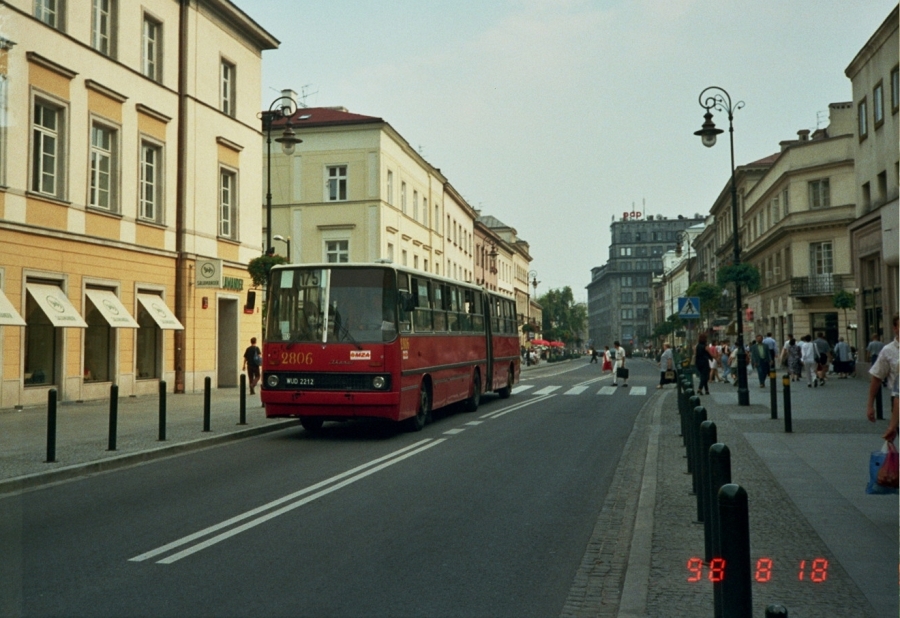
pixel 51 426
pixel 162 410
pixel 707 439
pixel 698 416
pixel 243 402
pixel 786 384
pixel 773 399
pixel 734 521
pixel 207 387
pixel 719 475
pixel 879 406
pixel 774 611
pixel 113 416
pixel 693 402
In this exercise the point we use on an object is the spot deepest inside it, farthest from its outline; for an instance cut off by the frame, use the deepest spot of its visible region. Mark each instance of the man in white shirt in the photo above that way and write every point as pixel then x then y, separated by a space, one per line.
pixel 619 364
pixel 885 366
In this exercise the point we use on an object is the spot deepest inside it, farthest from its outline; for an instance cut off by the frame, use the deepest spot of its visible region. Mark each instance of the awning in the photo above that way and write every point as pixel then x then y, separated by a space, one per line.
pixel 8 314
pixel 160 313
pixel 111 308
pixel 55 305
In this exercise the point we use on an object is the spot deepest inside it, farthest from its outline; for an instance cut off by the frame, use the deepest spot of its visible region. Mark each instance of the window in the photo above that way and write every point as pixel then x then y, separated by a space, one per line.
pixel 627 297
pixel 102 183
pixel 51 12
pixel 425 212
pixel 624 251
pixel 151 49
pixel 338 251
pixel 863 120
pixel 337 183
pixel 627 314
pixel 437 217
pixel 226 86
pixel 150 183
pixel 819 194
pixel 775 211
pixel 390 252
pixel 149 343
pixel 103 27
pixel 227 203
pixel 47 159
pixel 878 104
pixel 390 187
pixel 821 261
pixel 403 197
pixel 784 202
pixel 416 205
pixel 625 282
pixel 895 89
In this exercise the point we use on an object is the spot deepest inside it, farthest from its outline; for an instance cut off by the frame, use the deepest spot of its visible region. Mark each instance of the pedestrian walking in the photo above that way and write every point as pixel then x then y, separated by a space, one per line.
pixel 761 356
pixel 725 361
pixel 808 358
pixel 607 366
pixel 252 362
pixel 714 355
pixel 702 363
pixel 885 369
pixel 617 355
pixel 666 365
pixel 593 355
pixel 823 350
pixel 791 356
pixel 842 357
pixel 874 347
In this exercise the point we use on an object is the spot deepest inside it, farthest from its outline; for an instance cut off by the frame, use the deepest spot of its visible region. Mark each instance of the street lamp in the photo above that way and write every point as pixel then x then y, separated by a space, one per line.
pixel 721 101
pixel 287 241
pixel 281 108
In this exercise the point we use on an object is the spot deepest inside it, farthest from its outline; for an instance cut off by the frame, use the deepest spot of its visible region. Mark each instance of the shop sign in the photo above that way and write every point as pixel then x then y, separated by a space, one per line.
pixel 209 273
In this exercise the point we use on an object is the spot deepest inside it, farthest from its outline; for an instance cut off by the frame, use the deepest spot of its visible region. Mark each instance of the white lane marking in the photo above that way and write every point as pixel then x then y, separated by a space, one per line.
pixel 453 432
pixel 274 503
pixel 290 507
pixel 521 388
pixel 575 390
pixel 607 390
pixel 547 390
pixel 638 390
pixel 604 377
pixel 474 423
pixel 515 406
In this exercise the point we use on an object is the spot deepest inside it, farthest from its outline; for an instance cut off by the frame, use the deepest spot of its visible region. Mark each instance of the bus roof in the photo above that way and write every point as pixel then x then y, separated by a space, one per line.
pixel 388 265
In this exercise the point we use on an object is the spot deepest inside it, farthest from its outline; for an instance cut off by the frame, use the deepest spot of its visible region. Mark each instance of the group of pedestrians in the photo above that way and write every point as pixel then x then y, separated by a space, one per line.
pixel 613 361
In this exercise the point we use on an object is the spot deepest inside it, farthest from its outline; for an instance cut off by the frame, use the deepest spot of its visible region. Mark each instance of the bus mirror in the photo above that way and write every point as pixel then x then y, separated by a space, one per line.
pixel 407 301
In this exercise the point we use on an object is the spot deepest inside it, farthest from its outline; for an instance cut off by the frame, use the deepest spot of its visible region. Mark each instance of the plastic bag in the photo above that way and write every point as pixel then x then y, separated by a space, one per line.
pixel 886 458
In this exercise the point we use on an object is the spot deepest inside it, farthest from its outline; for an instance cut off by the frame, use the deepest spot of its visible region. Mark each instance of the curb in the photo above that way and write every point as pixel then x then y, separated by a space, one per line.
pixel 40 479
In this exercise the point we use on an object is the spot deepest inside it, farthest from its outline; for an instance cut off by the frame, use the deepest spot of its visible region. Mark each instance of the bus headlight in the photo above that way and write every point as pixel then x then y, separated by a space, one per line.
pixel 272 380
pixel 378 382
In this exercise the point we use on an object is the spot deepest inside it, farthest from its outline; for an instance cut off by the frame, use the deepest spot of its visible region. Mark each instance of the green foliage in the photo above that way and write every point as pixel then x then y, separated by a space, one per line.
pixel 745 275
pixel 259 268
pixel 844 300
pixel 709 294
pixel 563 319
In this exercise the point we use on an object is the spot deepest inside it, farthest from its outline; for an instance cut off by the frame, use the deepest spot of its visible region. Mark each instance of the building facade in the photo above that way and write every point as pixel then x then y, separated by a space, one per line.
pixel 129 165
pixel 874 240
pixel 619 303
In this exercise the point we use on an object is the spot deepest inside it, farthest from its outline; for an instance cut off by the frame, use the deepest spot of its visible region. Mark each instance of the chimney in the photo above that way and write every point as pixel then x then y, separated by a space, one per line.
pixel 287 93
pixel 803 134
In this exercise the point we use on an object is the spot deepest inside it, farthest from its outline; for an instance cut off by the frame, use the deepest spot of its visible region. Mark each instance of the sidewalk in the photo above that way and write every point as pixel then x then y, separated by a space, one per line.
pixel 807 500
pixel 82 434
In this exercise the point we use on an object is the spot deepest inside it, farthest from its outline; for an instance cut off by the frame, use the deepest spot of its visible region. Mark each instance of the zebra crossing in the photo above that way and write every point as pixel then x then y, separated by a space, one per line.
pixel 578 389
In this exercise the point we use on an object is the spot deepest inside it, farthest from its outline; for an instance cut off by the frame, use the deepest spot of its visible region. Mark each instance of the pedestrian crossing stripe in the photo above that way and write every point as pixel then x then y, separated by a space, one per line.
pixel 639 391
pixel 576 390
pixel 521 388
pixel 607 390
pixel 547 390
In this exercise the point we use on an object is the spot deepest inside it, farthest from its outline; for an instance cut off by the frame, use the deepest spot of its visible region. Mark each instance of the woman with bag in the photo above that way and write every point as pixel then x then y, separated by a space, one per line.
pixel 607 361
pixel 666 366
pixel 702 360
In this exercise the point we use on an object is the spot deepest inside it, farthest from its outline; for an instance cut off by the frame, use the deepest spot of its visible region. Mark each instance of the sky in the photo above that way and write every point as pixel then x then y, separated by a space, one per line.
pixel 557 115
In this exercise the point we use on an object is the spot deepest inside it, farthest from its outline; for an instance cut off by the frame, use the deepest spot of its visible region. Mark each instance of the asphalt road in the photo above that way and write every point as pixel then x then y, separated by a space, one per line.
pixel 480 514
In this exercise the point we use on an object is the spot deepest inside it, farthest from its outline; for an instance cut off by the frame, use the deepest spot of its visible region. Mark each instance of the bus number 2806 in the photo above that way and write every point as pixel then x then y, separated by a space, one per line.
pixel 297 358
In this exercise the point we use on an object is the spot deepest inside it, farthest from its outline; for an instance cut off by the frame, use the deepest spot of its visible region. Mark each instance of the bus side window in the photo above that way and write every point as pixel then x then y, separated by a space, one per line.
pixel 440 312
pixel 465 319
pixel 403 288
pixel 478 313
pixel 453 310
pixel 423 311
pixel 495 316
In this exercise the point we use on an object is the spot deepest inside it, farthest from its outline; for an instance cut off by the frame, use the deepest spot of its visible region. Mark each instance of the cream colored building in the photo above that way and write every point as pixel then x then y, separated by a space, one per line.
pixel 795 231
pixel 129 204
pixel 874 237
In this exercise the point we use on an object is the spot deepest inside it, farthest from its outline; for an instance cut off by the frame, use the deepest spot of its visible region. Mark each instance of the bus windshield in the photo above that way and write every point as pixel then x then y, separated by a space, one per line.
pixel 323 305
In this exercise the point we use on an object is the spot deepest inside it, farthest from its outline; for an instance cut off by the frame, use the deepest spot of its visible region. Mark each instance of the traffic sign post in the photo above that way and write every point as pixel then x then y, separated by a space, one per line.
pixel 689 308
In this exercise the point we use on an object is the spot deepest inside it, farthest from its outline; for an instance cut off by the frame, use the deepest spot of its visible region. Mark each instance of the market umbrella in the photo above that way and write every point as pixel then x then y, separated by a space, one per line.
pixel 539 342
pixel 557 344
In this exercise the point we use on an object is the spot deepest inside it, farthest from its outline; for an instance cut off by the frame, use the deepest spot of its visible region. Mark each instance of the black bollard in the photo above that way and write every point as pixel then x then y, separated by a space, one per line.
pixel 719 474
pixel 113 416
pixel 773 398
pixel 707 439
pixel 734 522
pixel 774 611
pixel 786 385
pixel 51 426
pixel 243 403
pixel 162 410
pixel 697 418
pixel 207 387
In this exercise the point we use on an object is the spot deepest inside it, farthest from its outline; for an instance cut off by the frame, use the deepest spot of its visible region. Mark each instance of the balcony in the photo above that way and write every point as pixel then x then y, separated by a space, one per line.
pixel 820 285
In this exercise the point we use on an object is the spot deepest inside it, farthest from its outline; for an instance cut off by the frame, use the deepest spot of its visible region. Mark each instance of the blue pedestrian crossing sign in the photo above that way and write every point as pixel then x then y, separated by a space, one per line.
pixel 689 308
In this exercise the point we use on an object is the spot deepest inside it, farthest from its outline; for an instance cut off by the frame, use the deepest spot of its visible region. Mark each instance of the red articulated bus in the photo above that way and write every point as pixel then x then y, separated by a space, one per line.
pixel 349 341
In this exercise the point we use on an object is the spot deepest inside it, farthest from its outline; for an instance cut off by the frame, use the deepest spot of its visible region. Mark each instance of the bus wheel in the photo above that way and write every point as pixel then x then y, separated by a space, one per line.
pixel 311 424
pixel 471 404
pixel 506 391
pixel 423 411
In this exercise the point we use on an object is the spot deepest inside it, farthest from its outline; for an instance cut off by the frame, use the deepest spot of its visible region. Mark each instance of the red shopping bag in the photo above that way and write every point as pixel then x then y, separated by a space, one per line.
pixel 889 472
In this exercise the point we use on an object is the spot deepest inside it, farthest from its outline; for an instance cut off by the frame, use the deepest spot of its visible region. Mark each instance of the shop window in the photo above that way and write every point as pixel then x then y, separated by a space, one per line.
pixel 149 346
pixel 43 346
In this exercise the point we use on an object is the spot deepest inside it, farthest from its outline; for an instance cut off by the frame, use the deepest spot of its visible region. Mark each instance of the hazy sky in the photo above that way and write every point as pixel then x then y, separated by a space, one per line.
pixel 555 115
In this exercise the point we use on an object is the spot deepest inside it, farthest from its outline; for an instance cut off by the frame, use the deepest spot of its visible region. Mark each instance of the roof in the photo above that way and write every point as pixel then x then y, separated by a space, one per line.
pixel 764 161
pixel 492 222
pixel 326 116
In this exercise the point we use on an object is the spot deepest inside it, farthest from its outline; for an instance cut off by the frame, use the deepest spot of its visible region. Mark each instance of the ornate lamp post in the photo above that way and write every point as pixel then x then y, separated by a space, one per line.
pixel 282 107
pixel 719 99
pixel 286 241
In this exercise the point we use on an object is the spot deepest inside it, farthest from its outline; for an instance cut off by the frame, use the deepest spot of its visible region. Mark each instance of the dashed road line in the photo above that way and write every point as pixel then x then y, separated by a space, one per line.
pixel 547 390
pixel 576 390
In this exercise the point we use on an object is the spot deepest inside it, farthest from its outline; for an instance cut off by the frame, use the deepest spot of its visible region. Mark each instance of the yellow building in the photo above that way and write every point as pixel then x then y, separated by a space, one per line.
pixel 129 195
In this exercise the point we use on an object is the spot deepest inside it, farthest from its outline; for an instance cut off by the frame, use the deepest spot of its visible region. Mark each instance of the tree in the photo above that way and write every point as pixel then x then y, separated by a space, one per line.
pixel 844 300
pixel 259 268
pixel 746 275
pixel 563 318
